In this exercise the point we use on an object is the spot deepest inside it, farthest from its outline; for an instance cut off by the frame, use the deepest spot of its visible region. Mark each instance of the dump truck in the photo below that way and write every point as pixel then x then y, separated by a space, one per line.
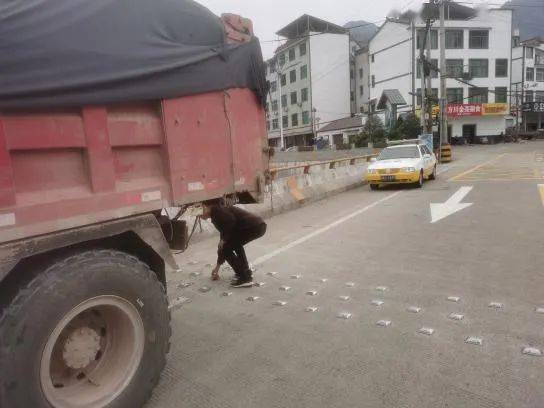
pixel 109 113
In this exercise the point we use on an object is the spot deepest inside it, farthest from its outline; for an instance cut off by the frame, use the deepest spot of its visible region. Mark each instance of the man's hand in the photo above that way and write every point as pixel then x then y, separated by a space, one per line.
pixel 215 273
pixel 221 245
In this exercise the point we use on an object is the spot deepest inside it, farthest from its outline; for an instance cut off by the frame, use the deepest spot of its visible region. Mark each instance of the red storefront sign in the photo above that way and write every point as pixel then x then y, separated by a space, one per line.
pixel 464 109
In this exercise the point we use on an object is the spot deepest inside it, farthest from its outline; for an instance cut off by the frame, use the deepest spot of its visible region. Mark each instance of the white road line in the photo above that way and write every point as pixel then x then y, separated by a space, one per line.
pixel 320 231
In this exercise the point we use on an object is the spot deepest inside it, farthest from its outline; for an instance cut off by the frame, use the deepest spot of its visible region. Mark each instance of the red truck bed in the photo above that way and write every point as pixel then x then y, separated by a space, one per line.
pixel 66 168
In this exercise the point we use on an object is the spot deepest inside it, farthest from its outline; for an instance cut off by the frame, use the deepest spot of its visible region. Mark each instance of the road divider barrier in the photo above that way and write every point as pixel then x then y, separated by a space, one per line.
pixel 293 186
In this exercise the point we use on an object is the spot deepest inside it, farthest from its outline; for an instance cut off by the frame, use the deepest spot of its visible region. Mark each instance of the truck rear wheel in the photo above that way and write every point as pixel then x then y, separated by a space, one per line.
pixel 92 330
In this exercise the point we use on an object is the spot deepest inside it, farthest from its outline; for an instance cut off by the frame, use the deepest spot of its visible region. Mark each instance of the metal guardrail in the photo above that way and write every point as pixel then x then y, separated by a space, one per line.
pixel 331 163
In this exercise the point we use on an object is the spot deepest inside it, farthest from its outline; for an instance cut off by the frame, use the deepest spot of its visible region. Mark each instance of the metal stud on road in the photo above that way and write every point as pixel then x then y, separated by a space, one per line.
pixel 279 303
pixel 456 316
pixel 383 323
pixel 426 330
pixel 413 309
pixel 204 289
pixel 532 351
pixel 350 284
pixel 540 310
pixel 184 285
pixel 381 288
pixel 495 305
pixel 271 273
pixel 312 309
pixel 259 284
pixel 312 293
pixel 253 298
pixel 344 315
pixel 477 341
pixel 226 294
pixel 344 298
pixel 324 280
pixel 194 274
pixel 377 302
pixel 455 299
pixel 285 288
pixel 296 276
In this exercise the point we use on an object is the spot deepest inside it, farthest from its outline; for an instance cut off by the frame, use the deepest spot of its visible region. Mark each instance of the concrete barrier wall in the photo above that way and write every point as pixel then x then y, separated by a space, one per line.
pixel 291 192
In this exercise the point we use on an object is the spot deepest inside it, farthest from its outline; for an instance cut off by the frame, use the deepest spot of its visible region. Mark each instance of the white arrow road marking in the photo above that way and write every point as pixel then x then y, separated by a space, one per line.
pixel 454 204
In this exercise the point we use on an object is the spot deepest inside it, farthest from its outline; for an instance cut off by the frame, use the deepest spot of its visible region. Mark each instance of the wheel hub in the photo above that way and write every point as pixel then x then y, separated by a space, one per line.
pixel 81 347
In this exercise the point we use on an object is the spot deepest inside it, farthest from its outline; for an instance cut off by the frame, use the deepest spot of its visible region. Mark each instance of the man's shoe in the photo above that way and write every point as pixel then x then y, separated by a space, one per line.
pixel 242 283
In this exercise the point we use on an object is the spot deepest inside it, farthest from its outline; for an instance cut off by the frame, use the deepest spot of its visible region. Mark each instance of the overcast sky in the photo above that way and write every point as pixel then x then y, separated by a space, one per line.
pixel 269 16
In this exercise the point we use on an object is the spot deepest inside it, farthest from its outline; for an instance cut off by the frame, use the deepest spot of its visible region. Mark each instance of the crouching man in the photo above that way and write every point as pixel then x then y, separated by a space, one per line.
pixel 237 227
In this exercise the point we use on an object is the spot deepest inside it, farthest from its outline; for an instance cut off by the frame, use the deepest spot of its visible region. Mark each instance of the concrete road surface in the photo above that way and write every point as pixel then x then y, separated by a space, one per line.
pixel 357 250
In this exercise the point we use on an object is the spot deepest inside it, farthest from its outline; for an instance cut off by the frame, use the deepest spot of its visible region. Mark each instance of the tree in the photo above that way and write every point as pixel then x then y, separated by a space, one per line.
pixel 405 128
pixel 372 132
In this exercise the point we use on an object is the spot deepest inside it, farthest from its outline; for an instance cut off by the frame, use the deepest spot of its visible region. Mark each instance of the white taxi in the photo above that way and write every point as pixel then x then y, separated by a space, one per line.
pixel 403 164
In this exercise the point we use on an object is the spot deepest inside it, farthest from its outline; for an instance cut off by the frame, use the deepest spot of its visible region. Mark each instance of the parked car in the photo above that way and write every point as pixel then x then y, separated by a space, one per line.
pixel 404 164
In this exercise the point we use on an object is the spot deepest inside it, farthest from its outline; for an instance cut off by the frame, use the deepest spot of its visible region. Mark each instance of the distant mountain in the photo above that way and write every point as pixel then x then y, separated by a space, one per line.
pixel 361 31
pixel 528 17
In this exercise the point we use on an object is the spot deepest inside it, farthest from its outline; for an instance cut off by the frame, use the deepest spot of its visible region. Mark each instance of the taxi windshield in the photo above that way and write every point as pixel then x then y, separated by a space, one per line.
pixel 404 152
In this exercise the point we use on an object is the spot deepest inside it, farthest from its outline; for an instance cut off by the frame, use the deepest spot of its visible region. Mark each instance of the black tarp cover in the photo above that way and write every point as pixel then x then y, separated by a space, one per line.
pixel 57 53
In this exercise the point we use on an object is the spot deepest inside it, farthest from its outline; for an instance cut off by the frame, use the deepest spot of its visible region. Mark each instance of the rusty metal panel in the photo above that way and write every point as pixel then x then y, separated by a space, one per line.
pixel 198 140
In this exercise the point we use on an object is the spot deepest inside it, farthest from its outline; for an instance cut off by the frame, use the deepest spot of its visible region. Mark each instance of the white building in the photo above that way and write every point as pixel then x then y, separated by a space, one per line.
pixel 528 83
pixel 478 55
pixel 362 80
pixel 310 79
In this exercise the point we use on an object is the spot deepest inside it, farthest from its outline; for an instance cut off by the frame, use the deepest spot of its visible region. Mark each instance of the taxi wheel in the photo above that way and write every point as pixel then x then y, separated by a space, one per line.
pixel 374 186
pixel 419 183
pixel 433 174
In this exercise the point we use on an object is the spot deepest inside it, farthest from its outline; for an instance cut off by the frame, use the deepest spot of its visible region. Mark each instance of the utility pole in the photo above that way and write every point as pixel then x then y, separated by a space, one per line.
pixel 279 74
pixel 428 75
pixel 443 96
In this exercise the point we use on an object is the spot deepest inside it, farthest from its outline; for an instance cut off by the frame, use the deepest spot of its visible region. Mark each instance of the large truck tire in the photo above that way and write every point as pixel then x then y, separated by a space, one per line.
pixel 92 330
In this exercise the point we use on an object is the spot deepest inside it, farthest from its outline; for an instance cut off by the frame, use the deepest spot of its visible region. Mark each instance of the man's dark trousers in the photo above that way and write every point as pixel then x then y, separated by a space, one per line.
pixel 234 252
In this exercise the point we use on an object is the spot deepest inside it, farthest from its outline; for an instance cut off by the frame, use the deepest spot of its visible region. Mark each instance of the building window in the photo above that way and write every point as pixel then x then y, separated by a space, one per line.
pixel 477 95
pixel 421 35
pixel 293 76
pixel 501 67
pixel 434 72
pixel 267 125
pixel 304 72
pixel 372 58
pixel 273 86
pixel 478 39
pixel 479 68
pixel 352 96
pixel 529 52
pixel 454 68
pixel 275 106
pixel 351 74
pixel 539 96
pixel 294 119
pixel 285 121
pixel 283 101
pixel 302 49
pixel 305 117
pixel 454 95
pixel 500 94
pixel 434 96
pixel 539 74
pixel 528 96
pixel 539 57
pixel 454 39
pixel 293 98
pixel 275 124
pixel 530 74
pixel 361 90
pixel 281 59
pixel 304 94
pixel 291 54
pixel 361 73
pixel 283 80
pixel 373 80
pixel 272 67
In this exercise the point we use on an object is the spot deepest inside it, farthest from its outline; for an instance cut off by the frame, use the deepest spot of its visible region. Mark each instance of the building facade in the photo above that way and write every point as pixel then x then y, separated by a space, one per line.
pixel 310 83
pixel 478 69
pixel 527 93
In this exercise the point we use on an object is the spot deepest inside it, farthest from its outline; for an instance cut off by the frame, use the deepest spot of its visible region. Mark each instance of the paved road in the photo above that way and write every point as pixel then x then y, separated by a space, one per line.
pixel 231 352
